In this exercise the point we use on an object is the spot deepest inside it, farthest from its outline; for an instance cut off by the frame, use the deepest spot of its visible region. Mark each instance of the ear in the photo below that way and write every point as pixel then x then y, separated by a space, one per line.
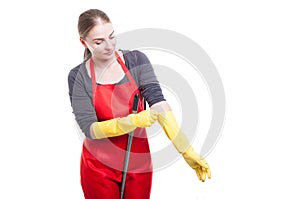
pixel 83 42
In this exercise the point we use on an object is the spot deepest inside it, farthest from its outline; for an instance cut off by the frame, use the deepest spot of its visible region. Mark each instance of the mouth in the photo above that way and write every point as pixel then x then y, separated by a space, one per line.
pixel 109 52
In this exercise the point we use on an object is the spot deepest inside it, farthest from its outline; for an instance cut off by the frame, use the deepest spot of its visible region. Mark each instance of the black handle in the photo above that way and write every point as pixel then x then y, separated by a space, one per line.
pixel 135 103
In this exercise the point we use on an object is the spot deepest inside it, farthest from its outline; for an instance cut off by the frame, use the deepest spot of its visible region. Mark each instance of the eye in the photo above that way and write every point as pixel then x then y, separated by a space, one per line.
pixel 98 42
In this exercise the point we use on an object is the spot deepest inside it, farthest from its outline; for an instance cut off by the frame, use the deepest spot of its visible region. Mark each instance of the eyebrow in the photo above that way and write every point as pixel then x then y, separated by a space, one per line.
pixel 103 38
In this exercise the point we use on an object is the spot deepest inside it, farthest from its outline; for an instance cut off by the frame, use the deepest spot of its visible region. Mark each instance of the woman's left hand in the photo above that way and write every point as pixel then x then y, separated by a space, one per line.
pixel 198 163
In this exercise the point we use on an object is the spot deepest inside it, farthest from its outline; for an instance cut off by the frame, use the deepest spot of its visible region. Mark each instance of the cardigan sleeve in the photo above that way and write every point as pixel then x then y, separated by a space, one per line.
pixel 81 101
pixel 147 80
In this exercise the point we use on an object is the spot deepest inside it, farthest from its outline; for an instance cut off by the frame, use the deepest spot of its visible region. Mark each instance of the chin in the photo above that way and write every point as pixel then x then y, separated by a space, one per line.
pixel 107 57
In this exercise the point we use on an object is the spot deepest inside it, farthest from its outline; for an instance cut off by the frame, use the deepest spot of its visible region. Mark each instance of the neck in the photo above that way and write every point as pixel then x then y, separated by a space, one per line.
pixel 101 64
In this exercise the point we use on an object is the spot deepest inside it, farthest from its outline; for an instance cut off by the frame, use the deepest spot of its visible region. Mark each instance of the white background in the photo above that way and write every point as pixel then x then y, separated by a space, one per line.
pixel 254 44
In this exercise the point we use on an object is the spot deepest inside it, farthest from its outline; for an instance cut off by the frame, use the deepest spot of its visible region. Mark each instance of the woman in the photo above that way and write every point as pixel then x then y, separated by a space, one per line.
pixel 102 90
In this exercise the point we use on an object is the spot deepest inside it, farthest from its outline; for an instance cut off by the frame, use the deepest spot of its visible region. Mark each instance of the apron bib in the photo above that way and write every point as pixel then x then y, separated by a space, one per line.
pixel 116 100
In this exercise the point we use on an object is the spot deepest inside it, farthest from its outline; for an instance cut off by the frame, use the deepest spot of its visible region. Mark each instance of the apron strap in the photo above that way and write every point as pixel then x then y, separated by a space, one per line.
pixel 125 69
pixel 92 69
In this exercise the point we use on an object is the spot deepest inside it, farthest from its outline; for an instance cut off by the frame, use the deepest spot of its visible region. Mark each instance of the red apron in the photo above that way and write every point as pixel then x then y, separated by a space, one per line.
pixel 102 160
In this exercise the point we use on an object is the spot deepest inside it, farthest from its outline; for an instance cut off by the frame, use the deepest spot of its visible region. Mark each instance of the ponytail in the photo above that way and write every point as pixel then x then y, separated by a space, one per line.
pixel 87 54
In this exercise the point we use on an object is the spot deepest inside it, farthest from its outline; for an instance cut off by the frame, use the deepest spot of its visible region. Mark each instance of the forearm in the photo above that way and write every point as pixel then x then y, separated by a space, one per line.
pixel 168 122
pixel 111 128
pixel 170 126
pixel 120 126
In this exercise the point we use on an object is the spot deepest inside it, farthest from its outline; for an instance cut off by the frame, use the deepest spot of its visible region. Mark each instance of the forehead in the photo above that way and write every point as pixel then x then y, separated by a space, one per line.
pixel 100 30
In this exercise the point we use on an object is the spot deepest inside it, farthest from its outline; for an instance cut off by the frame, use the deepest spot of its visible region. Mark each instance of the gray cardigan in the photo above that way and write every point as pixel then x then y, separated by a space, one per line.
pixel 80 87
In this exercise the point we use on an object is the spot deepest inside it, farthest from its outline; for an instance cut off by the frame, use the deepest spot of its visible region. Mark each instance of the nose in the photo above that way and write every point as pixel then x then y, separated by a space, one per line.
pixel 109 45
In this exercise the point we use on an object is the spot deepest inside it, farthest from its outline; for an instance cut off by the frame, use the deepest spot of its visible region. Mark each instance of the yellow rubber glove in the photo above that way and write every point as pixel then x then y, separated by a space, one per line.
pixel 121 126
pixel 181 143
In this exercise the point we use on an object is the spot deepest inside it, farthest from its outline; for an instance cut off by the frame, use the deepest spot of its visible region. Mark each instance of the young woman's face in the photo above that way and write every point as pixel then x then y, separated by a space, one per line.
pixel 101 41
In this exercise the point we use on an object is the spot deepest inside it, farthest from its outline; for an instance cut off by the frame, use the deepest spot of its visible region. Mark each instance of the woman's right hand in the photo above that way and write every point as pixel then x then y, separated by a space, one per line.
pixel 144 118
pixel 123 125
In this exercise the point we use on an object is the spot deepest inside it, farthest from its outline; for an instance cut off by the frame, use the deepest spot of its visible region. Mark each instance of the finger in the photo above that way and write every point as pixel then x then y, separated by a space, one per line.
pixel 153 117
pixel 203 175
pixel 208 173
pixel 198 175
pixel 203 163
